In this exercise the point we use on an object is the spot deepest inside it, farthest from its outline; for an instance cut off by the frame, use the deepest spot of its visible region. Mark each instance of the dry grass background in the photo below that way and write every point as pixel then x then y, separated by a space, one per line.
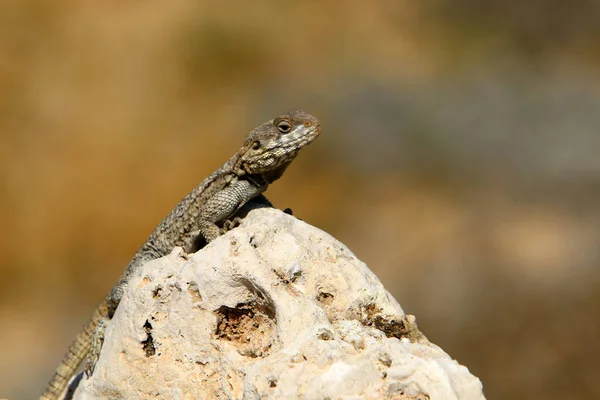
pixel 459 159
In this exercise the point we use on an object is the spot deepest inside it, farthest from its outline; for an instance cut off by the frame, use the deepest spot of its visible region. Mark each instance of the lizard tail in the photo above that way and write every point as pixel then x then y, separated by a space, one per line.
pixel 78 350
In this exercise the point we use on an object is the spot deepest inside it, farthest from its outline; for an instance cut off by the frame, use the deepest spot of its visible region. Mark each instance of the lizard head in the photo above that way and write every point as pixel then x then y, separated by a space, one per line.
pixel 274 144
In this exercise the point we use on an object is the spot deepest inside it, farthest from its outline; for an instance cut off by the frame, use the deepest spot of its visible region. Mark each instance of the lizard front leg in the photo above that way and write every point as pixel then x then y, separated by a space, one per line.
pixel 224 204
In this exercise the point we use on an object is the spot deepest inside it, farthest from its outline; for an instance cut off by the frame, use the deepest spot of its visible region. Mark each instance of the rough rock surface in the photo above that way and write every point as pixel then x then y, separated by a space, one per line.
pixel 273 309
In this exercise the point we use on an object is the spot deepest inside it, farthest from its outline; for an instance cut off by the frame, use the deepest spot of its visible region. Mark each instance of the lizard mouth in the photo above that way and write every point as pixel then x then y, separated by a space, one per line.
pixel 304 139
pixel 314 132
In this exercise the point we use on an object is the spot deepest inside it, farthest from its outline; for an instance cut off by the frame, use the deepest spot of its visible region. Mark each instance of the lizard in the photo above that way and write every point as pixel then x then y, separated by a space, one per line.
pixel 198 219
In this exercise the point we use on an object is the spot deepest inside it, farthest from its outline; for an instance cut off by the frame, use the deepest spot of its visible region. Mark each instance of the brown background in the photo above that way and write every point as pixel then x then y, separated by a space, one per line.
pixel 459 159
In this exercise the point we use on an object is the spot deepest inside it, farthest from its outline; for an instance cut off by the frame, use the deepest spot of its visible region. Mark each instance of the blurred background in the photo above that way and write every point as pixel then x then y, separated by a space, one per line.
pixel 459 159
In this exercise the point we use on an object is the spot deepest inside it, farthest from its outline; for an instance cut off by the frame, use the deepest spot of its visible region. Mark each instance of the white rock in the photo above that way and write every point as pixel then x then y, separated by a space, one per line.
pixel 273 309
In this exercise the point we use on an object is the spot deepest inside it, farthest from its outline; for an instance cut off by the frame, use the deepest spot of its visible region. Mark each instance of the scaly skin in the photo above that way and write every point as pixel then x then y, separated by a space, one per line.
pixel 262 159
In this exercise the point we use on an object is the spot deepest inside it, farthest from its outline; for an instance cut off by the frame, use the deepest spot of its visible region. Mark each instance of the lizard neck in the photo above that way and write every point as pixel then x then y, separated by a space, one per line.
pixel 268 177
pixel 272 176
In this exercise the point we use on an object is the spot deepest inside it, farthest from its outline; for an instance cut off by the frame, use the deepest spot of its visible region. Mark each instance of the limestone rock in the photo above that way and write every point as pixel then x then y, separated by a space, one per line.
pixel 274 309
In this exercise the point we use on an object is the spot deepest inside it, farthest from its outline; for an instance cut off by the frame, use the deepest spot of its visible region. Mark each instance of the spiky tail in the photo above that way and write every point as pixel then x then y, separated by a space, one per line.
pixel 78 350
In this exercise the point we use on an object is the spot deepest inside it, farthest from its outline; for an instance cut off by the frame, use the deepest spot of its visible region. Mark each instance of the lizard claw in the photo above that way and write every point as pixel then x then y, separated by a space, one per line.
pixel 230 224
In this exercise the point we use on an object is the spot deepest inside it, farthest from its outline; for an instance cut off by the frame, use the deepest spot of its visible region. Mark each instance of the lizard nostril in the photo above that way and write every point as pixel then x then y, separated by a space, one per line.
pixel 307 123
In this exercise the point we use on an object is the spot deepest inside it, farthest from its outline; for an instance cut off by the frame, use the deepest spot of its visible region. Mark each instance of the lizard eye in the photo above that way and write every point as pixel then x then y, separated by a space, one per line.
pixel 256 145
pixel 284 126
